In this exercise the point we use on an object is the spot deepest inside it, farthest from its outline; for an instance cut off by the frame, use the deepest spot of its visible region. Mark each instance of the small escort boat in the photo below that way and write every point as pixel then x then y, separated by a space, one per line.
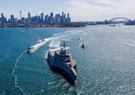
pixel 60 60
pixel 82 46
pixel 29 50
pixel 38 44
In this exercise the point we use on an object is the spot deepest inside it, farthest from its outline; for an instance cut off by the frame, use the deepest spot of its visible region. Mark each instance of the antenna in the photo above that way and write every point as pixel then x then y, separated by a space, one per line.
pixel 64 45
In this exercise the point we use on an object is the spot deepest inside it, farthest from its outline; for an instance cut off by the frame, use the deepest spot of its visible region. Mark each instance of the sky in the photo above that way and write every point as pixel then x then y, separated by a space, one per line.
pixel 80 10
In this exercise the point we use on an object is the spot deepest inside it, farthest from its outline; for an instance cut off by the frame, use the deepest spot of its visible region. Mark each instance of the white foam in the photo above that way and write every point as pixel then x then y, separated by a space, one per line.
pixel 57 38
pixel 41 91
pixel 14 73
pixel 50 83
pixel 38 45
pixel 47 40
pixel 81 89
pixel 54 44
pixel 68 34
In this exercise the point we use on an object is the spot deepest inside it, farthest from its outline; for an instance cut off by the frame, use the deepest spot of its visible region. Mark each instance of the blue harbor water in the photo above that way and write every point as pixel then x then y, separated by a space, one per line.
pixel 105 67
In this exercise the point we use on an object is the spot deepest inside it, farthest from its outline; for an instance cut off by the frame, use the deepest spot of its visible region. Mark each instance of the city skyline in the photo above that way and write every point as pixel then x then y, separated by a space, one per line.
pixel 80 10
pixel 59 19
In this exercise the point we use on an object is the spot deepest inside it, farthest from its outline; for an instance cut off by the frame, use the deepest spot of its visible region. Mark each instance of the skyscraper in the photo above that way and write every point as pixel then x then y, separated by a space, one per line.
pixel 57 19
pixel 46 19
pixel 68 19
pixel 12 19
pixel 29 17
pixel 20 14
pixel 62 17
pixel 42 17
pixel 2 18
pixel 51 18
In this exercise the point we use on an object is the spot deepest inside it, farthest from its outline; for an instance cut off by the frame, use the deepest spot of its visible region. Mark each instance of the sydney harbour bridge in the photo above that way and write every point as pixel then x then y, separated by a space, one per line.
pixel 118 20
pixel 115 20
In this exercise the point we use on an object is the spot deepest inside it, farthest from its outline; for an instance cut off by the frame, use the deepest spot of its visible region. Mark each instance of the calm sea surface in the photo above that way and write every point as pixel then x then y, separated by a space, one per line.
pixel 105 67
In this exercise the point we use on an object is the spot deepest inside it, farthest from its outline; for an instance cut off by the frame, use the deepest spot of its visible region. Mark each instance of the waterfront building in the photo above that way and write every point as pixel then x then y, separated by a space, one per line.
pixel 38 19
pixel 34 19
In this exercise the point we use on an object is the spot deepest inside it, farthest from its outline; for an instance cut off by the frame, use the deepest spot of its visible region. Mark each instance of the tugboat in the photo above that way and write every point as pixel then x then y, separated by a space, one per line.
pixel 60 60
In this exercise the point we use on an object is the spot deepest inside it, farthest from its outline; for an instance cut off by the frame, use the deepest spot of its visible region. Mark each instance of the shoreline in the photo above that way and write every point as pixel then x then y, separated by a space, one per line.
pixel 37 27
pixel 72 25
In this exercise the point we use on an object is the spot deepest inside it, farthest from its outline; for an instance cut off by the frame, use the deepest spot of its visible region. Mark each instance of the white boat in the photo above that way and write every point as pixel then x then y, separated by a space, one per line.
pixel 38 44
pixel 82 45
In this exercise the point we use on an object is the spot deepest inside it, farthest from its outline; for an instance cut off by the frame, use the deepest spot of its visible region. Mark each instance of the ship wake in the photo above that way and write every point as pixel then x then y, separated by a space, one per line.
pixel 15 75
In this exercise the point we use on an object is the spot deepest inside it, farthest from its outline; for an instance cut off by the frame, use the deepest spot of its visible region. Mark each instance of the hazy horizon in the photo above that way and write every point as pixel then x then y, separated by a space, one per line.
pixel 80 10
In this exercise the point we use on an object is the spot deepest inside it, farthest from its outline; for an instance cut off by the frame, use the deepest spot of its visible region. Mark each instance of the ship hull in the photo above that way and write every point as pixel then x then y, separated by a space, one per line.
pixel 63 69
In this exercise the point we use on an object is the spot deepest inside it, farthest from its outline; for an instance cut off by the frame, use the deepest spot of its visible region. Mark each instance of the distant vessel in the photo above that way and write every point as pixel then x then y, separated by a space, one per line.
pixel 61 60
pixel 78 39
pixel 26 28
pixel 82 45
pixel 38 44
pixel 112 25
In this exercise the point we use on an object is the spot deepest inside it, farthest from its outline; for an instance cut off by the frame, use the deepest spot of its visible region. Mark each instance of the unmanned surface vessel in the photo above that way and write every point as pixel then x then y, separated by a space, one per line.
pixel 38 44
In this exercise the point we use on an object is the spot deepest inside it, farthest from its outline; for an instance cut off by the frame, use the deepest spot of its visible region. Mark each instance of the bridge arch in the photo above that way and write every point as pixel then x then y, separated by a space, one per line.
pixel 117 18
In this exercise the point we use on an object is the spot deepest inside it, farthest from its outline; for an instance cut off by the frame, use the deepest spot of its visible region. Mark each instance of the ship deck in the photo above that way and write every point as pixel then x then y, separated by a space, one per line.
pixel 73 62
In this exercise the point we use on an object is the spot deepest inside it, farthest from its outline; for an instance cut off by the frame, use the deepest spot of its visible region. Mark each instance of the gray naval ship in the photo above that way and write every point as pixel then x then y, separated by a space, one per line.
pixel 60 60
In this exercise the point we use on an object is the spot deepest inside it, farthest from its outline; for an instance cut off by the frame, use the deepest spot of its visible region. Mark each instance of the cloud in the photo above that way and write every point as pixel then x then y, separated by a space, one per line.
pixel 104 3
pixel 100 9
